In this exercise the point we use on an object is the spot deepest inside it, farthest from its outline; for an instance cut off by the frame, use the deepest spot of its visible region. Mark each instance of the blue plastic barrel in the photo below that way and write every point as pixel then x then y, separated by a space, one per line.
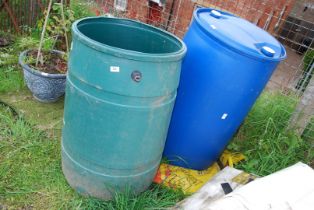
pixel 228 64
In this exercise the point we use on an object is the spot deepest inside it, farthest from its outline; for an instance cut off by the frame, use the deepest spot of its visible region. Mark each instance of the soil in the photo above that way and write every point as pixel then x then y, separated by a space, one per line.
pixel 53 63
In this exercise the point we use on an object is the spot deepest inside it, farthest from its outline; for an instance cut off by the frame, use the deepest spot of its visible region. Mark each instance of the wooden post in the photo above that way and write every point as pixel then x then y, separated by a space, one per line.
pixel 64 27
pixel 43 32
pixel 42 8
pixel 12 17
pixel 305 109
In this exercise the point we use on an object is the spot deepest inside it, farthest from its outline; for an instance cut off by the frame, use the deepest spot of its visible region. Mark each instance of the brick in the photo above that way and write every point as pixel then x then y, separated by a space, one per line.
pixel 252 10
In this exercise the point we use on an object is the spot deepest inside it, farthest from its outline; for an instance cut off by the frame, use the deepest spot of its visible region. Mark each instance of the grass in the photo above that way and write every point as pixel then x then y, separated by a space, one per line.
pixel 31 175
pixel 309 131
pixel 11 79
pixel 264 140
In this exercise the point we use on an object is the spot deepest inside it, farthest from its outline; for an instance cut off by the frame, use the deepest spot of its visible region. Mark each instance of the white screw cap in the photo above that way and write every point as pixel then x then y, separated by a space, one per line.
pixel 215 13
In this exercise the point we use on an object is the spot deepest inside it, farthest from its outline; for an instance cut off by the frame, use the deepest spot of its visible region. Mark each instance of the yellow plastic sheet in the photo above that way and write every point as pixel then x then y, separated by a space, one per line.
pixel 188 180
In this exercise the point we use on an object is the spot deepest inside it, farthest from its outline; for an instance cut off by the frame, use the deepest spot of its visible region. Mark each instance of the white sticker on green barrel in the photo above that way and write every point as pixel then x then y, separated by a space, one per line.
pixel 115 69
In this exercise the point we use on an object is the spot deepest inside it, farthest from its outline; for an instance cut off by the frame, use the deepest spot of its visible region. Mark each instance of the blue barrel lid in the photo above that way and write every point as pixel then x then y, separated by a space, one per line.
pixel 239 34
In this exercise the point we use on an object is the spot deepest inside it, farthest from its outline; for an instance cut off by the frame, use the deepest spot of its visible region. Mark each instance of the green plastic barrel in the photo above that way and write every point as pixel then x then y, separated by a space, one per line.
pixel 121 87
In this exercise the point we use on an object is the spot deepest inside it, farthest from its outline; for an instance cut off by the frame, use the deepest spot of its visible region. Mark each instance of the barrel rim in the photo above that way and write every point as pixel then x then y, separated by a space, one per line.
pixel 227 44
pixel 130 54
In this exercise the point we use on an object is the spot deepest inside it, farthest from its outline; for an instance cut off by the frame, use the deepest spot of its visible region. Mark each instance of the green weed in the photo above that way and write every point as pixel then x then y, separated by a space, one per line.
pixel 264 140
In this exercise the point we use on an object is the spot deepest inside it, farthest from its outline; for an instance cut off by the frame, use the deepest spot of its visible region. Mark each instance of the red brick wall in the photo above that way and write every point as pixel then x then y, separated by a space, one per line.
pixel 177 21
pixel 138 9
pixel 183 14
pixel 256 11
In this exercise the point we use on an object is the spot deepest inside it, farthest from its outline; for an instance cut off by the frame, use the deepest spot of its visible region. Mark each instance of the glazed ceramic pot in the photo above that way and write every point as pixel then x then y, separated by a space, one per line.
pixel 44 86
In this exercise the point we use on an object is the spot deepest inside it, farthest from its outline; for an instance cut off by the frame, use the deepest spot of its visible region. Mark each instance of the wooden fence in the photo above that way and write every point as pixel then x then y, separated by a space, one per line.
pixel 18 16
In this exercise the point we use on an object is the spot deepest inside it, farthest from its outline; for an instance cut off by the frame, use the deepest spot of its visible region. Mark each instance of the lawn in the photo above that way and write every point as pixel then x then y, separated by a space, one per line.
pixel 30 159
pixel 31 176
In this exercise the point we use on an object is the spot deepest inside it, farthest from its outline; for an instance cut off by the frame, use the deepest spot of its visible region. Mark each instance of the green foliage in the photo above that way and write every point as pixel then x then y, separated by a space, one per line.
pixel 11 76
pixel 264 140
pixel 81 8
pixel 7 58
pixel 31 60
pixel 56 25
pixel 29 42
pixel 26 42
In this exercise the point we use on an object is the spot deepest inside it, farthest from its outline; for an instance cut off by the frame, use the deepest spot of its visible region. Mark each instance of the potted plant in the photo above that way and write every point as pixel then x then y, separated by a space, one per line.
pixel 45 70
